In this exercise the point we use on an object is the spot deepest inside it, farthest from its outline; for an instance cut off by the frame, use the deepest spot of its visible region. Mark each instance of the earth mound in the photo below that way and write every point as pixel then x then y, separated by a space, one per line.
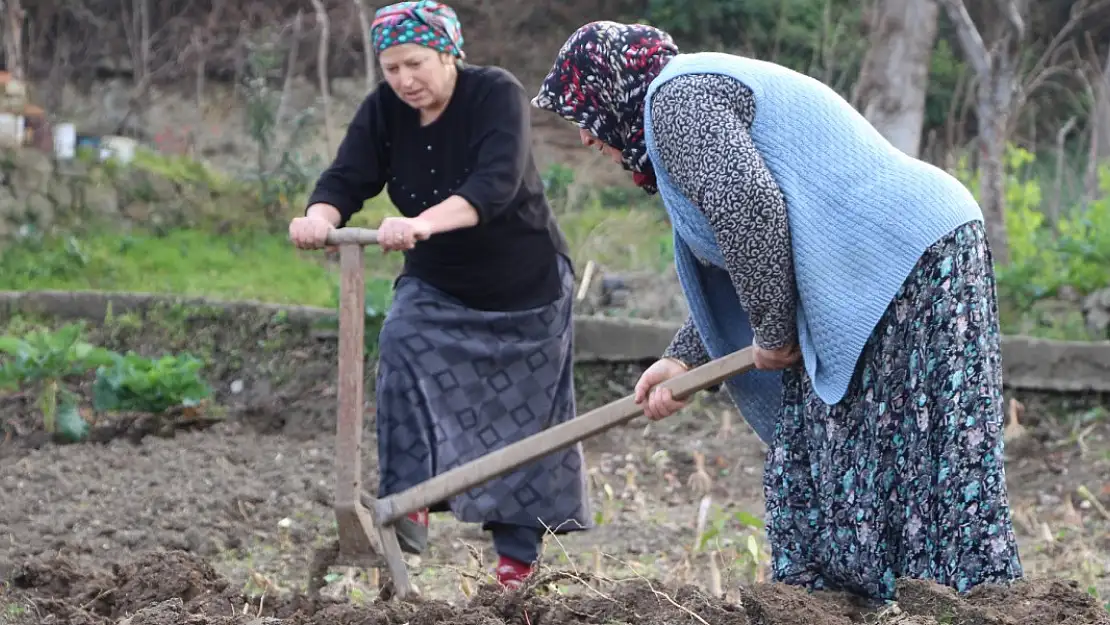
pixel 178 588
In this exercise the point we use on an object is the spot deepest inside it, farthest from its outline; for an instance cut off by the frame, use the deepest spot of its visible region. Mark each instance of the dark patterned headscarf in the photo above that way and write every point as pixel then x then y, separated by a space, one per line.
pixel 599 82
pixel 424 22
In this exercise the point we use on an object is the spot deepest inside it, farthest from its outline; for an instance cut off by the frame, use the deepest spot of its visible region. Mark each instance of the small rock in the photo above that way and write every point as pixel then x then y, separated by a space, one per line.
pixel 137 211
pixel 236 387
pixel 1096 312
pixel 40 208
pixel 101 200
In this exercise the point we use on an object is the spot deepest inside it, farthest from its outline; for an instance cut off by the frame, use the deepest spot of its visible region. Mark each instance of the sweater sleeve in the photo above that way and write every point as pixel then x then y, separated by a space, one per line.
pixel 361 165
pixel 501 147
pixel 702 128
pixel 687 346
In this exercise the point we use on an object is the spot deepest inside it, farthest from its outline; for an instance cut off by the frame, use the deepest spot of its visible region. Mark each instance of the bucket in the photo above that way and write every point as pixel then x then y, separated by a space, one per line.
pixel 65 141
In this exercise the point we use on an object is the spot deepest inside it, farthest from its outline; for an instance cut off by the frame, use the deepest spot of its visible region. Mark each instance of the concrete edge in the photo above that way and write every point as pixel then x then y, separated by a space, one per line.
pixel 1029 363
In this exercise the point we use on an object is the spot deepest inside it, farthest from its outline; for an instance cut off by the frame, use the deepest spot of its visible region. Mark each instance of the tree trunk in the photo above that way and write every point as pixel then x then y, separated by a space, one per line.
pixel 992 175
pixel 367 46
pixel 322 67
pixel 999 94
pixel 1100 133
pixel 895 72
pixel 13 37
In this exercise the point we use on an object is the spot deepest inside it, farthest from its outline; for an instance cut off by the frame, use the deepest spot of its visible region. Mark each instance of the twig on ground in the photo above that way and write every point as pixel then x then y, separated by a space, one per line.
pixel 702 520
pixel 576 575
pixel 664 595
pixel 587 278
pixel 1090 498
pixel 1014 430
pixel 1081 440
pixel 700 482
pixel 715 587
pixel 726 431
pixel 105 593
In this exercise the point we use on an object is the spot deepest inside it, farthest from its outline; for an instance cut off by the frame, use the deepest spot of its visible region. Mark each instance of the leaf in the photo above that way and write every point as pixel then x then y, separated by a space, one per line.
pixel 753 548
pixel 90 357
pixel 749 520
pixel 133 382
pixel 72 427
pixel 105 398
pixel 12 345
pixel 710 534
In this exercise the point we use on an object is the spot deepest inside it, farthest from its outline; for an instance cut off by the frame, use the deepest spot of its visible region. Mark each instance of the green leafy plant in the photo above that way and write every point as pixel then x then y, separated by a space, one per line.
pixel 44 362
pixel 1045 257
pixel 135 383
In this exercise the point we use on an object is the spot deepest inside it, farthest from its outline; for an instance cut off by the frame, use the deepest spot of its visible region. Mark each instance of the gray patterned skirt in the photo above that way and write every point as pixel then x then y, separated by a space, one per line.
pixel 905 476
pixel 455 383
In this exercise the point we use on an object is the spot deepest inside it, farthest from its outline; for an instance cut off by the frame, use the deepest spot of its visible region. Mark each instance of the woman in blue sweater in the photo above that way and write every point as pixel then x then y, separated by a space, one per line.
pixel 862 277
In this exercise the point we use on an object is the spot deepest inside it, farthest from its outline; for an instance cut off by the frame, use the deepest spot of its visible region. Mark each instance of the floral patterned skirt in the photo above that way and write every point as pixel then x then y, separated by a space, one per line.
pixel 904 477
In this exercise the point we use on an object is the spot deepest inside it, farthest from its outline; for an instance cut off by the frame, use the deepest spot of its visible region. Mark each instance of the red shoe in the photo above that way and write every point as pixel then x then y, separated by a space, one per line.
pixel 412 532
pixel 511 573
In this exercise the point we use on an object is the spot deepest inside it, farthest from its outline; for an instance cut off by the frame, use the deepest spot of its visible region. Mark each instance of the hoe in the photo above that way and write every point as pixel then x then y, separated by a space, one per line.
pixel 367 535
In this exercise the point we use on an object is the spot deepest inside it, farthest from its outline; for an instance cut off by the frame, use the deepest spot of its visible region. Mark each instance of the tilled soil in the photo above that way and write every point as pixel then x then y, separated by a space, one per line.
pixel 236 508
pixel 178 588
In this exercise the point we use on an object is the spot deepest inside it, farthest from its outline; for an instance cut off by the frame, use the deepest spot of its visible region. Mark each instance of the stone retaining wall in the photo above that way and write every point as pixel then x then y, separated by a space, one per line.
pixel 37 191
pixel 1030 363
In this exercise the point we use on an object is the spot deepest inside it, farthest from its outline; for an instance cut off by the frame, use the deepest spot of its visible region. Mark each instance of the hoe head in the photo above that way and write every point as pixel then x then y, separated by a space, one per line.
pixel 364 542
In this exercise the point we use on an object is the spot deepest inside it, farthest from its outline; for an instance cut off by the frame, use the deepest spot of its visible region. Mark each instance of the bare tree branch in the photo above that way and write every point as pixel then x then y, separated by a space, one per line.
pixel 1061 157
pixel 970 39
pixel 368 50
pixel 290 68
pixel 1013 15
pixel 322 67
pixel 13 38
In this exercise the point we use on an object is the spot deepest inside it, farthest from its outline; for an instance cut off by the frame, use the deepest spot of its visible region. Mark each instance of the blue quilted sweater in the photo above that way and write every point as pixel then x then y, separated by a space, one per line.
pixel 861 214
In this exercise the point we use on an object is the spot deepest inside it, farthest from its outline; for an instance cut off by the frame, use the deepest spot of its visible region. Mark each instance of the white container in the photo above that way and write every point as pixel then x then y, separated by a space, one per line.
pixel 122 148
pixel 11 129
pixel 65 141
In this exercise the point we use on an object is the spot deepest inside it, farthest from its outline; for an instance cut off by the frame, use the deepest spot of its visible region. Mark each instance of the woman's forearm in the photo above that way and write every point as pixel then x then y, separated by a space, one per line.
pixel 453 213
pixel 324 211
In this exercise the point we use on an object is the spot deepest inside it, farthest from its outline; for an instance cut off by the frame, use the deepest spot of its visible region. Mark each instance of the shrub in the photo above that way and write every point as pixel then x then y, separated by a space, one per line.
pixel 1045 258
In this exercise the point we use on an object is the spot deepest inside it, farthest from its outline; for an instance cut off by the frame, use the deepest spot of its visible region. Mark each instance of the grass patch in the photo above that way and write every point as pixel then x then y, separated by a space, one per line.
pixel 240 249
pixel 189 262
pixel 247 264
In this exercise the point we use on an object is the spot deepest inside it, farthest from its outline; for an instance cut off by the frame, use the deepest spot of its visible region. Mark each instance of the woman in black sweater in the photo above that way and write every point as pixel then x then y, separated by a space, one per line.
pixel 476 351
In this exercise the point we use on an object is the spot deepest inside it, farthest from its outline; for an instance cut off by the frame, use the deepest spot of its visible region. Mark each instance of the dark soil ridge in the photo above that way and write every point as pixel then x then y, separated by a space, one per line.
pixel 178 588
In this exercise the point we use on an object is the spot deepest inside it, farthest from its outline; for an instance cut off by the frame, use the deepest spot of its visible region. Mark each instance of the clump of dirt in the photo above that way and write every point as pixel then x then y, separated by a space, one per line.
pixel 176 588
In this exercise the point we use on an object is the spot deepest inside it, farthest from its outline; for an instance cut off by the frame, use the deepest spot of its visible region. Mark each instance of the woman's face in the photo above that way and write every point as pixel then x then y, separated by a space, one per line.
pixel 420 76
pixel 590 141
